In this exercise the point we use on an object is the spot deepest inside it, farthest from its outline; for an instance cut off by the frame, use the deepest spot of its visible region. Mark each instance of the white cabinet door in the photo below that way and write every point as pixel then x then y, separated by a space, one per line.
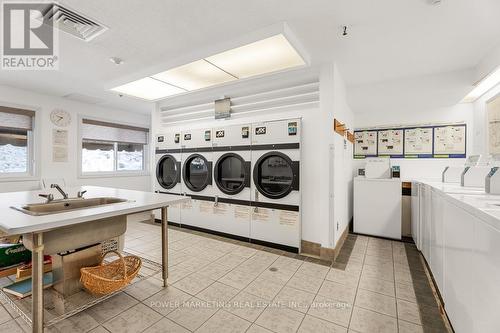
pixel 415 213
pixel 436 238
pixel 458 267
pixel 426 222
pixel 486 278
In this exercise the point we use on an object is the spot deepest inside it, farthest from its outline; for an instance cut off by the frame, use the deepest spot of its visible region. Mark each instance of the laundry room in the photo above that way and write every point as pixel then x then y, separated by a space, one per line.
pixel 249 166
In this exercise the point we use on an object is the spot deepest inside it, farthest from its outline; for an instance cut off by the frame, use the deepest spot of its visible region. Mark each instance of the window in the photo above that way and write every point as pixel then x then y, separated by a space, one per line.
pixel 16 157
pixel 109 147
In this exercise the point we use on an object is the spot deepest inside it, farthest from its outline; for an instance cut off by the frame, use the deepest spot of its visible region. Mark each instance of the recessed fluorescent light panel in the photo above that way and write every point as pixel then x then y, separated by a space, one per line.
pixel 265 56
pixel 483 86
pixel 196 75
pixel 148 88
pixel 262 57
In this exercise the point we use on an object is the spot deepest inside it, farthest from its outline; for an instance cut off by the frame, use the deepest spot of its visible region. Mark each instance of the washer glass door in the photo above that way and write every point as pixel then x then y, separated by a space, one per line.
pixel 167 172
pixel 230 173
pixel 196 172
pixel 273 175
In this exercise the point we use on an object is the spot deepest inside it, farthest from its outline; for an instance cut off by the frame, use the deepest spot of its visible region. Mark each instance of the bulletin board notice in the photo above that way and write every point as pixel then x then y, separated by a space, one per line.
pixel 437 141
pixel 365 144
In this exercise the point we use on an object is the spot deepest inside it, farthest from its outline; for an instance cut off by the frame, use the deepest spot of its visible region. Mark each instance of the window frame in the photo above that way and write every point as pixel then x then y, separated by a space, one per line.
pixel 33 148
pixel 115 173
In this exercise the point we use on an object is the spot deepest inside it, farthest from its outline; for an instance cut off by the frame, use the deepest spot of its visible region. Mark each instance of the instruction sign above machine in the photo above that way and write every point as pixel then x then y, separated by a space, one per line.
pixel 440 141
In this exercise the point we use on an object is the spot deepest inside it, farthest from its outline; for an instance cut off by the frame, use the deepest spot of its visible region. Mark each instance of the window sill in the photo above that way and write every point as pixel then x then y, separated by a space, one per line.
pixel 114 174
pixel 18 178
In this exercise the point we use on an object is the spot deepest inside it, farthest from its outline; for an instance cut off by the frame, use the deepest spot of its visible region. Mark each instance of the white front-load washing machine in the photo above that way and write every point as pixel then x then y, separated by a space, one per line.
pixel 168 171
pixel 275 194
pixel 232 180
pixel 196 177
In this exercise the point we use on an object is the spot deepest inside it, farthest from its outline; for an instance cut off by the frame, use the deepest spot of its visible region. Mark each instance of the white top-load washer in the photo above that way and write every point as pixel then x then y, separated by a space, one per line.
pixel 196 176
pixel 232 179
pixel 275 194
pixel 168 170
pixel 475 175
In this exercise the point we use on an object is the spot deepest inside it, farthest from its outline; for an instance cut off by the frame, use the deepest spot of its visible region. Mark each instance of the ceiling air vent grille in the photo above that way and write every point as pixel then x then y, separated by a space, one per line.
pixel 71 22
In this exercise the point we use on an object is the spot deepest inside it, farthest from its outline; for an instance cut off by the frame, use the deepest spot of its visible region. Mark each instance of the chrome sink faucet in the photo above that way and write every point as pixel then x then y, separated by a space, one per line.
pixel 57 187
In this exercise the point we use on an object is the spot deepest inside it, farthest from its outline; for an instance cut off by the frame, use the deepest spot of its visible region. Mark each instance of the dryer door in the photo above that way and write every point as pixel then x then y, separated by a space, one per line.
pixel 275 175
pixel 197 172
pixel 168 171
pixel 232 173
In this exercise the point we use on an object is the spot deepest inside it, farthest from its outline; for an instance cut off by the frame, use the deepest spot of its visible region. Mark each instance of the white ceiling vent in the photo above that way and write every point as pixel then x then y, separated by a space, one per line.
pixel 84 98
pixel 72 22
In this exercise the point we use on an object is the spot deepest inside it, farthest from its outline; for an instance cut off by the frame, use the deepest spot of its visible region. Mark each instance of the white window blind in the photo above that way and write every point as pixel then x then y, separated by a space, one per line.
pixel 17 119
pixel 104 131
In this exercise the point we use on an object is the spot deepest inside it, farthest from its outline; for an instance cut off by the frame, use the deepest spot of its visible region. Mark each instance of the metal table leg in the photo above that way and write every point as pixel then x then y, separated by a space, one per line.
pixel 164 245
pixel 37 283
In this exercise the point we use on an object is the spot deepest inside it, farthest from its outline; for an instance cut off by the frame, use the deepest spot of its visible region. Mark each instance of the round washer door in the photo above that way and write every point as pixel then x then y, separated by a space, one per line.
pixel 274 175
pixel 168 171
pixel 231 173
pixel 196 172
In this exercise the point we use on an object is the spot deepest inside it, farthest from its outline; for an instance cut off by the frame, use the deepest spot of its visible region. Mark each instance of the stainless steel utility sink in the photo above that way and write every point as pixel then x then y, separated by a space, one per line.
pixel 65 205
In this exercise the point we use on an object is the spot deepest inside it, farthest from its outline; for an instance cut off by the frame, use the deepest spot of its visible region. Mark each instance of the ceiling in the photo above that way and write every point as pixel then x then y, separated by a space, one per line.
pixel 387 39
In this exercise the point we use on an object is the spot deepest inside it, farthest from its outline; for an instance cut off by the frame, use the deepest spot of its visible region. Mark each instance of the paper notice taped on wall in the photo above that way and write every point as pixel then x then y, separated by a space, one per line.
pixel 261 215
pixel 59 154
pixel 206 206
pixel 187 204
pixel 242 212
pixel 289 218
pixel 59 145
pixel 220 209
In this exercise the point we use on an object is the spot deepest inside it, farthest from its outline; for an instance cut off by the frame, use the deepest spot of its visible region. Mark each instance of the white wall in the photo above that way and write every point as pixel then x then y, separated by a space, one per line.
pixel 44 104
pixel 418 101
pixel 317 137
pixel 481 120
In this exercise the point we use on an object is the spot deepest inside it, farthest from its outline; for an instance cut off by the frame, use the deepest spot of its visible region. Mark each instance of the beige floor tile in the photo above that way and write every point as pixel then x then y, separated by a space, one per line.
pixel 331 310
pixel 193 283
pixel 247 306
pixel 224 322
pixel 217 292
pixel 366 321
pixel 214 271
pixel 305 282
pixel 280 319
pixel 347 278
pixel 264 289
pixel 230 260
pixel 167 300
pixel 337 291
pixel 135 319
pixel 144 289
pixel 378 272
pixel 315 325
pixel 406 327
pixel 376 302
pixel 295 299
pixel 193 313
pixel 4 315
pixel 378 261
pixel 281 276
pixel 11 326
pixel 409 311
pixel 238 279
pixel 166 325
pixel 258 329
pixel 99 329
pixel 111 307
pixel 79 323
pixel 313 270
pixel 377 285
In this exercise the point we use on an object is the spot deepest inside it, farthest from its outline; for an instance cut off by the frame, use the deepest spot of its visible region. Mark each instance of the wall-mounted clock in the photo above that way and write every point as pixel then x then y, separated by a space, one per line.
pixel 60 118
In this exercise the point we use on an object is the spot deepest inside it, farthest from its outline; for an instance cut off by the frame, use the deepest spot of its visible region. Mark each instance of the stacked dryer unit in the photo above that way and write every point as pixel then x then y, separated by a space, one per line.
pixel 196 179
pixel 232 179
pixel 168 171
pixel 275 191
pixel 243 180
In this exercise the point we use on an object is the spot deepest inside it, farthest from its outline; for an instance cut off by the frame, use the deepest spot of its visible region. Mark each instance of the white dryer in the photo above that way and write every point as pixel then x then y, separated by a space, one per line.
pixel 232 180
pixel 168 171
pixel 197 177
pixel 275 194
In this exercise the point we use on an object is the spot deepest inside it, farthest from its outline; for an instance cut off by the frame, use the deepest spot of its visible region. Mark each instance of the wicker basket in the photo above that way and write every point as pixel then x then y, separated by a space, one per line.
pixel 107 278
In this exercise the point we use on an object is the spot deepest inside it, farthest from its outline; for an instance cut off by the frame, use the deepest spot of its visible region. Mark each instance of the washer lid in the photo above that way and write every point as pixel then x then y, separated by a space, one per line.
pixel 275 175
pixel 168 171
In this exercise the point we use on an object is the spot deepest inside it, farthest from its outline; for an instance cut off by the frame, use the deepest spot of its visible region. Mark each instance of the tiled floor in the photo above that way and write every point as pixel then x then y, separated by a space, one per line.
pixel 219 285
